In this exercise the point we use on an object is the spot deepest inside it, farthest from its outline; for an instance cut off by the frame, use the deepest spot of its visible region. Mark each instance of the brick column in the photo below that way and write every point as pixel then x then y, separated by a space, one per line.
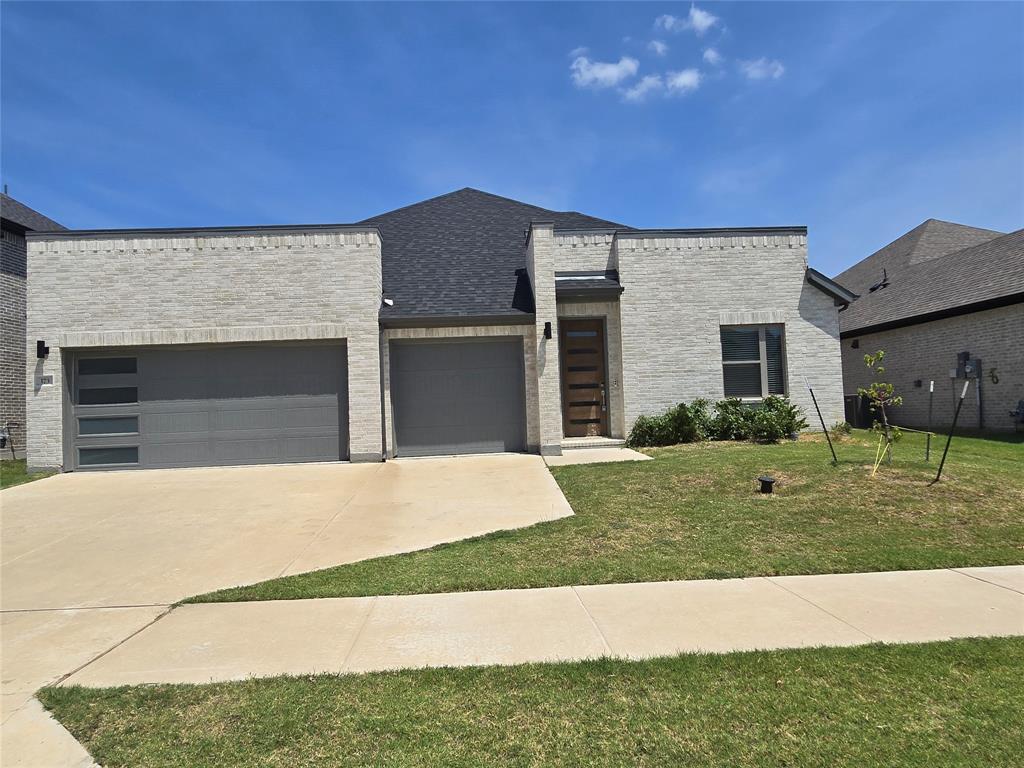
pixel 540 263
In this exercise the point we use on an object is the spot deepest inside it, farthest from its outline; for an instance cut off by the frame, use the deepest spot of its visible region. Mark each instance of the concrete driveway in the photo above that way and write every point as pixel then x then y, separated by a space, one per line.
pixel 89 559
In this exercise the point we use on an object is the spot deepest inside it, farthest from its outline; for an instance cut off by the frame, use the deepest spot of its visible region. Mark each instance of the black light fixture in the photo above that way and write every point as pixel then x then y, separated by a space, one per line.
pixel 41 349
pixel 547 330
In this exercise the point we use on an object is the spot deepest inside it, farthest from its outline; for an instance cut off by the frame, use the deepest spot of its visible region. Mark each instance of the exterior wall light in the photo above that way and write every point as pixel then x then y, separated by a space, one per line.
pixel 41 349
pixel 547 330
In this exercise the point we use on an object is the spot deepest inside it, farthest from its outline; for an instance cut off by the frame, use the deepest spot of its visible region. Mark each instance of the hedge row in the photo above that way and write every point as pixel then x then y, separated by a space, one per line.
pixel 731 419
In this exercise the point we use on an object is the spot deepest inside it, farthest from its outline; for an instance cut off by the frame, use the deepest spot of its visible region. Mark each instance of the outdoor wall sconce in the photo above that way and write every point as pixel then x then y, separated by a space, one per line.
pixel 547 330
pixel 41 349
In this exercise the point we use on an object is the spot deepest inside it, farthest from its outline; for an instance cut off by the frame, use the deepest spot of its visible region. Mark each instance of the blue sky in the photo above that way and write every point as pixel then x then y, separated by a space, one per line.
pixel 859 120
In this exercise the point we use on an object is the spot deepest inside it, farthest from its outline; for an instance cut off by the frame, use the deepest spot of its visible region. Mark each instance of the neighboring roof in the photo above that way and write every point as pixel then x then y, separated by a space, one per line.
pixel 839 293
pixel 462 254
pixel 929 274
pixel 24 218
pixel 587 285
pixel 929 240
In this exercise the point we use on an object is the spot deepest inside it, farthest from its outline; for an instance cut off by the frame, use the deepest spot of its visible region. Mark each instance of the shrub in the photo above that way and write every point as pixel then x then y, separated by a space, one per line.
pixel 649 432
pixel 676 425
pixel 770 421
pixel 767 426
pixel 681 425
pixel 840 429
pixel 701 418
pixel 732 421
pixel 790 417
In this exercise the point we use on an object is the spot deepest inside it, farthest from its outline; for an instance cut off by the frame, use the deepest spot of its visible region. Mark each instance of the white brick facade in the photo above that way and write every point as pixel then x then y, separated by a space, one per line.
pixel 927 352
pixel 101 290
pixel 680 288
pixel 206 287
pixel 540 264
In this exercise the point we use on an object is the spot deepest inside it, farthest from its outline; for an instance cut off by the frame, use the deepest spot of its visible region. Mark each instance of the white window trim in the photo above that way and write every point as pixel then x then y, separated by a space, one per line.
pixel 762 348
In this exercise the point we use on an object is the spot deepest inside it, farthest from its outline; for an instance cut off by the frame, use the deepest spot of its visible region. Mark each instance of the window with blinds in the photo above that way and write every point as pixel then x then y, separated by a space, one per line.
pixel 753 360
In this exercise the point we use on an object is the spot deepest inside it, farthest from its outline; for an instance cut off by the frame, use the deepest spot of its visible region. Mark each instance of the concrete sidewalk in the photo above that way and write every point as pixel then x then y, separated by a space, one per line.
pixel 232 641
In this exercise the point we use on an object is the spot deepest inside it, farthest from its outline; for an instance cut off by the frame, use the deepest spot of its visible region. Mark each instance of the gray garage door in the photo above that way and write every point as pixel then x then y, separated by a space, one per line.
pixel 208 406
pixel 458 397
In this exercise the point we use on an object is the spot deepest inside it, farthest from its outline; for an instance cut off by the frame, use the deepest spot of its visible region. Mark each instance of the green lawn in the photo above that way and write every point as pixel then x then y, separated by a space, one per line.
pixel 941 704
pixel 694 512
pixel 13 472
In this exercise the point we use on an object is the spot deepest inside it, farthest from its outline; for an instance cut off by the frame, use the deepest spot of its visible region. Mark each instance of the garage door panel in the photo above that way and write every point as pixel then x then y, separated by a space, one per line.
pixel 458 397
pixel 170 423
pixel 188 453
pixel 236 405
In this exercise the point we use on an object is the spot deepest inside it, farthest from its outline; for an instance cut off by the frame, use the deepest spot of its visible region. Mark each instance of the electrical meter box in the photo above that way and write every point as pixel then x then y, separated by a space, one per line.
pixel 972 368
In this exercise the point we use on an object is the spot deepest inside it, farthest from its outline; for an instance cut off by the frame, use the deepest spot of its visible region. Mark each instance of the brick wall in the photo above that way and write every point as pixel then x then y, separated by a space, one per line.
pixel 928 351
pixel 12 336
pixel 585 251
pixel 208 288
pixel 540 263
pixel 680 290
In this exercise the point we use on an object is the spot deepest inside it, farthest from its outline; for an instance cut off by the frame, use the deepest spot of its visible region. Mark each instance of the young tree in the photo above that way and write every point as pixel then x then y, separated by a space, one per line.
pixel 881 394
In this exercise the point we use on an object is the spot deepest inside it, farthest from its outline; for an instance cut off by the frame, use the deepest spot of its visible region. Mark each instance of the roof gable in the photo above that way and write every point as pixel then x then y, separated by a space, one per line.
pixel 988 273
pixel 462 254
pixel 929 240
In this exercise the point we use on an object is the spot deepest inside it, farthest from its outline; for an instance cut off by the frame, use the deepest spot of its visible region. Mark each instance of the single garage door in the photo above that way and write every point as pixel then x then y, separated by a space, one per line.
pixel 209 406
pixel 458 396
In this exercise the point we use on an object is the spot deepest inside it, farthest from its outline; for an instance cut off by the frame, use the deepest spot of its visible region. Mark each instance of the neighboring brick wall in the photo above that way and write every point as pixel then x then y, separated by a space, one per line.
pixel 928 351
pixel 609 312
pixel 208 288
pixel 680 290
pixel 12 336
pixel 527 332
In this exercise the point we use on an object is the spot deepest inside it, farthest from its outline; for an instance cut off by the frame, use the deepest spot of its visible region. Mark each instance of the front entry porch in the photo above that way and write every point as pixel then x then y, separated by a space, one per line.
pixel 590 374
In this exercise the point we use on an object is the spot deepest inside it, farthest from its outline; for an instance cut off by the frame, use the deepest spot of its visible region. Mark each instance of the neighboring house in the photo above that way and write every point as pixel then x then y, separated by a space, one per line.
pixel 465 323
pixel 945 302
pixel 15 220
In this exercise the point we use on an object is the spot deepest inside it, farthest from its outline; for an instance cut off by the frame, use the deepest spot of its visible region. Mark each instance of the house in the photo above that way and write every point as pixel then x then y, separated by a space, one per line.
pixel 946 303
pixel 15 220
pixel 461 324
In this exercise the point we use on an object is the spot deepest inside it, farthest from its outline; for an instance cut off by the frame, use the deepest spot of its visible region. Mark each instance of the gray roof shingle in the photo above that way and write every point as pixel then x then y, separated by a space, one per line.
pixel 25 218
pixel 935 268
pixel 462 254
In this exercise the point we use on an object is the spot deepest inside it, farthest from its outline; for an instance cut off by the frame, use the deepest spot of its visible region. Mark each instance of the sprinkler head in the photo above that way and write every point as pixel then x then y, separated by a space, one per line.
pixel 766 483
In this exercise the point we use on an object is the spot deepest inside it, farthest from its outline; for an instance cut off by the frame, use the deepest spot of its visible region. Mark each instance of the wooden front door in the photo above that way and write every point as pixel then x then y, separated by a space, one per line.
pixel 584 396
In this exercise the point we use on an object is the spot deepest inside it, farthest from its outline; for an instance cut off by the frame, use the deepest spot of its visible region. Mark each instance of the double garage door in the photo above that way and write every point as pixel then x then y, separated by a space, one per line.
pixel 151 407
pixel 208 406
pixel 460 396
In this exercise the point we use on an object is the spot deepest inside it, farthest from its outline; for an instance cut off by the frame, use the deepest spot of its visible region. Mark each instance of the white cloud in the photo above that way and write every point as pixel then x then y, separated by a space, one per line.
pixel 697 20
pixel 647 85
pixel 602 74
pixel 658 47
pixel 762 69
pixel 684 81
pixel 577 52
pixel 713 57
